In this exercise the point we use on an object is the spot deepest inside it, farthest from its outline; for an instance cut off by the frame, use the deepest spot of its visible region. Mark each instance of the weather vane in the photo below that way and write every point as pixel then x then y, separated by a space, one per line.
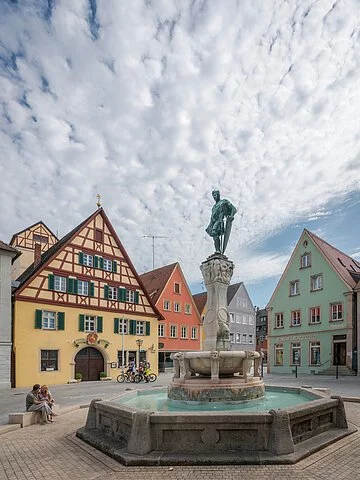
pixel 98 203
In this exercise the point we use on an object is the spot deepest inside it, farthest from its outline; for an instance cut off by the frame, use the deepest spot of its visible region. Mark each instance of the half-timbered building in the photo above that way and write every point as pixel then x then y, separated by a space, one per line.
pixel 82 309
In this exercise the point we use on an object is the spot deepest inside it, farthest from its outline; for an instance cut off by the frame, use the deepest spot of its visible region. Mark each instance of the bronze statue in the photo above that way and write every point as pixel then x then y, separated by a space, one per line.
pixel 222 216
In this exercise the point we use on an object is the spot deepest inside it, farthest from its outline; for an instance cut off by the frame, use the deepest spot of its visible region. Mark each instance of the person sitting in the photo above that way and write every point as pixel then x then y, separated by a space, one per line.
pixel 147 371
pixel 45 395
pixel 34 404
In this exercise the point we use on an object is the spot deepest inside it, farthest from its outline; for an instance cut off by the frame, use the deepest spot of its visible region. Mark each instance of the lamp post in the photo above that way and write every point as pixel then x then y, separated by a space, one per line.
pixel 139 342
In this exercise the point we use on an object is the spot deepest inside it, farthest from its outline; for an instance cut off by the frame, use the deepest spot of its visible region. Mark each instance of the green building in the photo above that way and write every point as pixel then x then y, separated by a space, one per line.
pixel 314 312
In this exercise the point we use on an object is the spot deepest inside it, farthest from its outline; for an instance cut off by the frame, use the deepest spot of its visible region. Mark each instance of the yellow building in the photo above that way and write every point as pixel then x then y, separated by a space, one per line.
pixel 79 307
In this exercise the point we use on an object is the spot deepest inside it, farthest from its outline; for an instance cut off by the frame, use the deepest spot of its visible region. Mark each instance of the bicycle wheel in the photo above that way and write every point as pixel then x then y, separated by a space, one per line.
pixel 120 378
pixel 128 378
pixel 152 377
pixel 138 377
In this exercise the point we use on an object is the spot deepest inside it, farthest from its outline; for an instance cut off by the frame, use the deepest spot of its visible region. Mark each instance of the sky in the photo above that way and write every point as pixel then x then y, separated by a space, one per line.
pixel 155 103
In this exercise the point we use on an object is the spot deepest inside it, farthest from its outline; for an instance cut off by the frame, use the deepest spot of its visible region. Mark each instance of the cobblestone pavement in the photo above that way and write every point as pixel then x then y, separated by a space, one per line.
pixel 52 451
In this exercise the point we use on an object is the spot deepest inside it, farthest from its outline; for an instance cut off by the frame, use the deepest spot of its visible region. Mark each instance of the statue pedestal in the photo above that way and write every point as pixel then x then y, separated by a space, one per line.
pixel 217 271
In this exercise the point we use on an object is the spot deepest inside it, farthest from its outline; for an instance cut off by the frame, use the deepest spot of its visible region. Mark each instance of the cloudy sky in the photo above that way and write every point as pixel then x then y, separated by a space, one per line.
pixel 154 103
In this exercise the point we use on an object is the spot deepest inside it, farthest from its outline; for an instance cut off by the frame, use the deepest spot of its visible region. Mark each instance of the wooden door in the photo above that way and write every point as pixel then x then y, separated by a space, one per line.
pixel 89 362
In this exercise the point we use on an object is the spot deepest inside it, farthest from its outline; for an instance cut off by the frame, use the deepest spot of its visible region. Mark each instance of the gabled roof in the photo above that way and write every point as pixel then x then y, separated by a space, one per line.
pixel 200 298
pixel 15 253
pixel 31 226
pixel 232 289
pixel 155 281
pixel 200 301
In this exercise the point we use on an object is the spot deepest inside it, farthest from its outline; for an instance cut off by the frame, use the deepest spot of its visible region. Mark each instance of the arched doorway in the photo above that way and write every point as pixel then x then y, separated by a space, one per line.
pixel 89 362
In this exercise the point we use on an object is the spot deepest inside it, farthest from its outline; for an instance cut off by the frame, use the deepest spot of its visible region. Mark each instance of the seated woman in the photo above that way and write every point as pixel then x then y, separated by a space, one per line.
pixel 45 396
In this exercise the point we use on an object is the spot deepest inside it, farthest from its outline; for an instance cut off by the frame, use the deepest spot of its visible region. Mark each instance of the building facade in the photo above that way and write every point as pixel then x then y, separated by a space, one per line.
pixel 261 331
pixel 81 309
pixel 313 314
pixel 180 328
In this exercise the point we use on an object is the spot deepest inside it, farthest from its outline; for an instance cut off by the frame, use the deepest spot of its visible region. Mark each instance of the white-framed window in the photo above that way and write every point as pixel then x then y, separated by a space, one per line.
pixel 90 323
pixel 59 283
pixel 173 331
pixel 183 331
pixel 88 260
pixel 177 307
pixel 232 338
pixel 244 338
pixel 232 317
pixel 279 353
pixel 187 308
pixel 315 315
pixel 48 320
pixel 140 327
pixel 245 319
pixel 315 353
pixel 279 320
pixel 305 260
pixel 295 318
pixel 316 282
pixel 167 305
pixel 239 302
pixel 294 288
pixel 113 293
pixel 244 302
pixel 107 264
pixel 83 287
pixel 161 329
pixel 251 320
pixel 194 333
pixel 130 296
pixel 237 317
pixel 177 287
pixel 49 360
pixel 238 338
pixel 123 326
pixel 251 339
pixel 336 312
pixel 295 354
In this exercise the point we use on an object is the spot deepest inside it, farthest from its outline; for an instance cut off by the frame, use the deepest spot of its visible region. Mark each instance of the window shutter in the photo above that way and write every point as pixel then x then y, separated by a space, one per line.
pixel 136 297
pixel 122 294
pixel 51 284
pixel 147 328
pixel 114 266
pixel 99 324
pixel 132 327
pixel 75 287
pixel 116 325
pixel 91 289
pixel 81 323
pixel 101 263
pixel 38 319
pixel 106 291
pixel 81 258
pixel 96 261
pixel 70 285
pixel 61 321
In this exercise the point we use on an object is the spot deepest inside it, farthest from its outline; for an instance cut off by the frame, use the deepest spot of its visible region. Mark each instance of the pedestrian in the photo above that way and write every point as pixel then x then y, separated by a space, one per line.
pixel 34 404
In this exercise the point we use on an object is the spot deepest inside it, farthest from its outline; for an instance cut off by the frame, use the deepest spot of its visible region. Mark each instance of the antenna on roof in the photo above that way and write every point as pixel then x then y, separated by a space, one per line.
pixel 153 246
pixel 98 203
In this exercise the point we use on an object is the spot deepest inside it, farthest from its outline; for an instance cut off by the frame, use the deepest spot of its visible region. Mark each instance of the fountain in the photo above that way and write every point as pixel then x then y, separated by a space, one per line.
pixel 204 422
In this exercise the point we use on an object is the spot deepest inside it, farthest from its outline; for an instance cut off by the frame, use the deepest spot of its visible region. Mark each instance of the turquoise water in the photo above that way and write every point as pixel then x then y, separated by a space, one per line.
pixel 159 402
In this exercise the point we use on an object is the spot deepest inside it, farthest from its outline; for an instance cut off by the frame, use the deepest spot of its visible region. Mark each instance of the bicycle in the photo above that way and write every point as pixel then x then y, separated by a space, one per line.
pixel 127 377
pixel 141 377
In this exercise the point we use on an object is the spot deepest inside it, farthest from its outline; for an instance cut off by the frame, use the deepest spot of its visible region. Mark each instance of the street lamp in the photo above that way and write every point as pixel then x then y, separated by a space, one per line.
pixel 139 342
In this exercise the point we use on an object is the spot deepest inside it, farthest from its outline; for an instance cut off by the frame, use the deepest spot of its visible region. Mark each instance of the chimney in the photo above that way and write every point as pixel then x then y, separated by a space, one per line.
pixel 37 254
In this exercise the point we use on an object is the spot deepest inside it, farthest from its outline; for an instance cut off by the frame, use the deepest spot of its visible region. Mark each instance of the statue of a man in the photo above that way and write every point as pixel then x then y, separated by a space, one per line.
pixel 222 216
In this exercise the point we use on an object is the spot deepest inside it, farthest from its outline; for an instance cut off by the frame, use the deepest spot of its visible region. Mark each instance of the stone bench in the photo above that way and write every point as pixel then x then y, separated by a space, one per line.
pixel 24 419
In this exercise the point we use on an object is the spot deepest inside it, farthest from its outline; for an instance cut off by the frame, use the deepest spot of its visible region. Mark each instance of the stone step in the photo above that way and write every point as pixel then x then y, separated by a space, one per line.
pixel 342 371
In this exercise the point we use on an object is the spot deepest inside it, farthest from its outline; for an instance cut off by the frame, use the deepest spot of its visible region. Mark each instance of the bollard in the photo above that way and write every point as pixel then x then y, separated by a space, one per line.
pixel 337 371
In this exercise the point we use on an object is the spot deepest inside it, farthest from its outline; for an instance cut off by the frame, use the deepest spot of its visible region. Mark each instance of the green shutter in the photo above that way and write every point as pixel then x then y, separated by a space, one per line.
pixel 91 289
pixel 101 263
pixel 75 287
pixel 99 325
pixel 132 327
pixel 122 294
pixel 116 325
pixel 147 328
pixel 70 285
pixel 106 291
pixel 81 258
pixel 136 297
pixel 81 323
pixel 61 321
pixel 96 261
pixel 38 318
pixel 114 266
pixel 51 284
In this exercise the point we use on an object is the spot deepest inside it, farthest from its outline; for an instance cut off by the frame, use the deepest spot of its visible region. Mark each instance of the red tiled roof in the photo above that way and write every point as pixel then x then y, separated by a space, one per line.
pixel 156 280
pixel 200 301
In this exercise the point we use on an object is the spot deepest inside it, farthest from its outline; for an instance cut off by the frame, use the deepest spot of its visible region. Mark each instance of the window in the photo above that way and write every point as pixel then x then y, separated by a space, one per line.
pixel 294 288
pixel 120 358
pixel 48 320
pixel 232 338
pixel 244 338
pixel 295 354
pixel 315 315
pixel 245 319
pixel 336 312
pixel 183 332
pixel 113 291
pixel 167 305
pixel 279 354
pixel 83 287
pixel 238 338
pixel 123 326
pixel 177 287
pixel 295 318
pixel 99 235
pixel 173 331
pixel 194 333
pixel 305 260
pixel 59 284
pixel 140 327
pixel 232 317
pixel 177 307
pixel 188 308
pixel 90 323
pixel 88 260
pixel 279 320
pixel 107 264
pixel 49 360
pixel 130 296
pixel 251 339
pixel 251 320
pixel 239 302
pixel 244 302
pixel 40 238
pixel 161 330
pixel 314 348
pixel 316 282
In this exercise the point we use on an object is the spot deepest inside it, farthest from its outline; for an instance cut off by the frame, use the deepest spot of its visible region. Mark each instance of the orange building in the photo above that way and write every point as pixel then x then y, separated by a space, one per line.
pixel 180 330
